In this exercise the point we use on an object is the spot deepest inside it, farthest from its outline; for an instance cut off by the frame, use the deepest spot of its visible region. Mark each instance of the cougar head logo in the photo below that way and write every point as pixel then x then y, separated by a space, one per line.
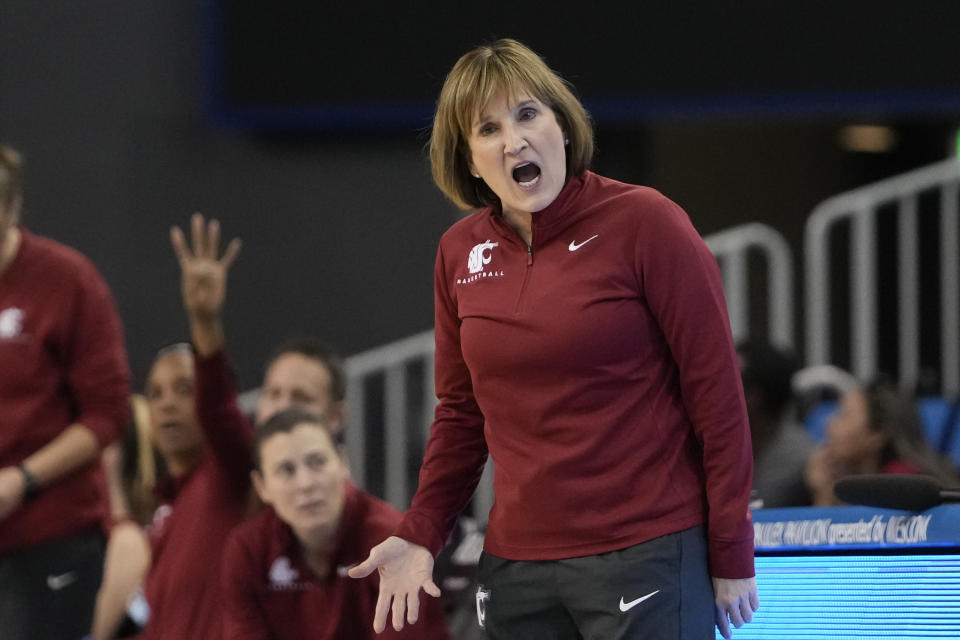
pixel 281 573
pixel 11 320
pixel 480 255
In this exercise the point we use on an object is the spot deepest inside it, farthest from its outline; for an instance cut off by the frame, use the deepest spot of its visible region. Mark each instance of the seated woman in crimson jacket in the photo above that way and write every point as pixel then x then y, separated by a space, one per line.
pixel 284 574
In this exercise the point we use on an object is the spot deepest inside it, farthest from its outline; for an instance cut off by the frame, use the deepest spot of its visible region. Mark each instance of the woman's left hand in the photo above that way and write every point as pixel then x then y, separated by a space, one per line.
pixel 736 601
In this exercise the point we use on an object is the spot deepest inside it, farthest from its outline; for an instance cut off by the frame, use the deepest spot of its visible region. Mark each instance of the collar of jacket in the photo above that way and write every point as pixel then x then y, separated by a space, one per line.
pixel 548 222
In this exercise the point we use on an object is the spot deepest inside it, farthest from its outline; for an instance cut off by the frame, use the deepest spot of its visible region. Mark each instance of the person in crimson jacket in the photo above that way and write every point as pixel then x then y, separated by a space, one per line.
pixel 207 450
pixel 284 573
pixel 582 340
pixel 64 387
pixel 200 501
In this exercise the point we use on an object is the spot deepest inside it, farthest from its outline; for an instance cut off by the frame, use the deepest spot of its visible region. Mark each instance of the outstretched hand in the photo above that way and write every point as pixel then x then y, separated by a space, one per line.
pixel 204 280
pixel 736 600
pixel 204 272
pixel 404 568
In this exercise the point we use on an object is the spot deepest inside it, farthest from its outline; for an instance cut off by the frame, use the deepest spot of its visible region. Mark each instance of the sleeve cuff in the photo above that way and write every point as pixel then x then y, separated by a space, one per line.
pixel 418 529
pixel 732 559
pixel 103 428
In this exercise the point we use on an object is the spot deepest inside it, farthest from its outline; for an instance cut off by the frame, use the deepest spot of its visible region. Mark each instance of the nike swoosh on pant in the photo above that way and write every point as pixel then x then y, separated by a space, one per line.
pixel 55 583
pixel 626 606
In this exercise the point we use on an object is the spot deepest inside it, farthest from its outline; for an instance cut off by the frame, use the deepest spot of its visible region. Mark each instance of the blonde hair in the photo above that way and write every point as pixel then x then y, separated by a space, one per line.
pixel 11 172
pixel 505 66
pixel 142 471
pixel 146 462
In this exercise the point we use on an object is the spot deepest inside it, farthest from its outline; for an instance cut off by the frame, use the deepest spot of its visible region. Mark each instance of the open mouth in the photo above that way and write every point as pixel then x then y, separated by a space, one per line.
pixel 526 174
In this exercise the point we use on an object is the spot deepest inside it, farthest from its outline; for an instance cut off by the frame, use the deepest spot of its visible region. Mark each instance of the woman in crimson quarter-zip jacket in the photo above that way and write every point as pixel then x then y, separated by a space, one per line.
pixel 582 342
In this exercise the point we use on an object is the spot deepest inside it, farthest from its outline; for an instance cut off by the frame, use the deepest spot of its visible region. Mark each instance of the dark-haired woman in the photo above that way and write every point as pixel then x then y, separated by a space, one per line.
pixel 876 429
pixel 284 572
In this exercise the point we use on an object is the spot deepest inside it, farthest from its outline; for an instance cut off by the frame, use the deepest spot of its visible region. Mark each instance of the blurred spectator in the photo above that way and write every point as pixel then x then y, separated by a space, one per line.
pixel 64 389
pixel 131 469
pixel 876 429
pixel 781 445
pixel 284 573
pixel 203 497
pixel 306 373
pixel 207 453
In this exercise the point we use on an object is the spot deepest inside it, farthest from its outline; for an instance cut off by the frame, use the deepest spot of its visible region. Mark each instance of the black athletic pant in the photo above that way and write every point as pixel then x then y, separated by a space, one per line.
pixel 48 591
pixel 658 589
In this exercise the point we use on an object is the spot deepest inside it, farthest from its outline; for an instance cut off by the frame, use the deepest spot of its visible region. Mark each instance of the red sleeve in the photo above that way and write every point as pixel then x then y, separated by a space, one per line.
pixel 681 281
pixel 228 431
pixel 243 618
pixel 97 369
pixel 456 451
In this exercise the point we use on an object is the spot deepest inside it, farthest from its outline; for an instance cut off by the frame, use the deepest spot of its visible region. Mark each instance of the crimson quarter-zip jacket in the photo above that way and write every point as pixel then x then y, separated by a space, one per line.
pixel 598 369
pixel 62 362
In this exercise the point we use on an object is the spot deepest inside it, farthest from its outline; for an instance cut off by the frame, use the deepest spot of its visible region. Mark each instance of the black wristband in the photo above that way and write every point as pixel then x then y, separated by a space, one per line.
pixel 30 485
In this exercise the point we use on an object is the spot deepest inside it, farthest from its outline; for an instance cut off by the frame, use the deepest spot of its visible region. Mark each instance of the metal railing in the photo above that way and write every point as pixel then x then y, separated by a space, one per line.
pixel 393 361
pixel 860 207
pixel 732 248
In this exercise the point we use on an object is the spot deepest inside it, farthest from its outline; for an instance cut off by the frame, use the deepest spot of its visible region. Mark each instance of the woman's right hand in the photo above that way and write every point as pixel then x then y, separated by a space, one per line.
pixel 404 568
pixel 204 279
pixel 203 269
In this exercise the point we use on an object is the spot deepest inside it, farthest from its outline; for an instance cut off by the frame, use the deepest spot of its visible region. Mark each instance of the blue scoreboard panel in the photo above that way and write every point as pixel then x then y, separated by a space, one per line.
pixel 856 572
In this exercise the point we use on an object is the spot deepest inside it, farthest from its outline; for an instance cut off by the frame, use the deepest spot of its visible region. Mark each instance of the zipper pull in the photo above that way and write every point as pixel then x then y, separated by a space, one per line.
pixel 529 255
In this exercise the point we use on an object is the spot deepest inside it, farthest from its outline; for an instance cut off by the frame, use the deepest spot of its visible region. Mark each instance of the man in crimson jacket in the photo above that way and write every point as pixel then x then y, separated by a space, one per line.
pixel 64 389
